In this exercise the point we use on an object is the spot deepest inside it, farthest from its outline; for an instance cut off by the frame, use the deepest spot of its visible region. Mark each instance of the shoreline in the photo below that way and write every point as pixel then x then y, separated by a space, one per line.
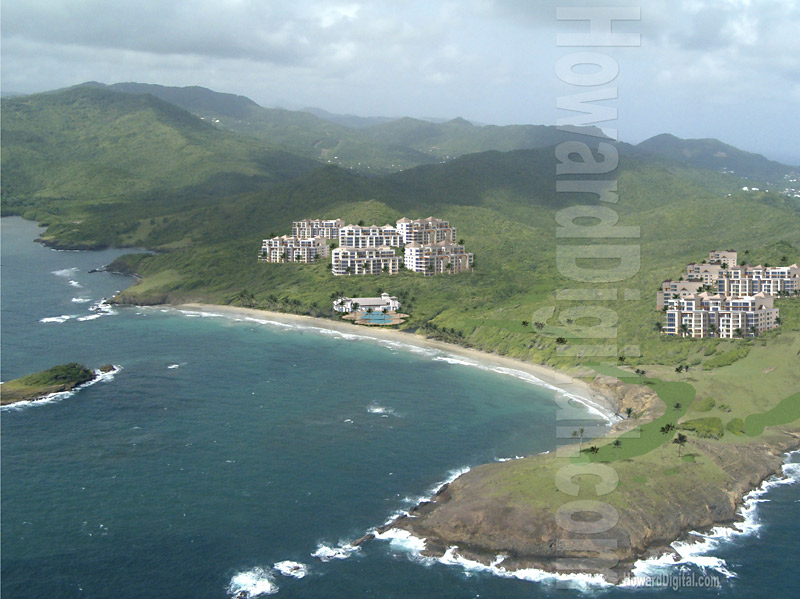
pixel 547 377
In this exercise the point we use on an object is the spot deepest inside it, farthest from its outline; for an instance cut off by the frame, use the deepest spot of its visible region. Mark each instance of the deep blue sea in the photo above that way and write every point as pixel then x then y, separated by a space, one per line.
pixel 222 448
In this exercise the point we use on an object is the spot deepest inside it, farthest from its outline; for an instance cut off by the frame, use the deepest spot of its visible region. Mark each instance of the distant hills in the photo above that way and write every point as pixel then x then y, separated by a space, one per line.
pixel 714 155
pixel 379 144
pixel 101 167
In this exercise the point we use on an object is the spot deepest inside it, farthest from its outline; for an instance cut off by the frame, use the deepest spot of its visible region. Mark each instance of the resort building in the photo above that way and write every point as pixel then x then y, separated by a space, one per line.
pixel 677 289
pixel 750 280
pixel 365 261
pixel 706 315
pixel 436 258
pixel 377 304
pixel 293 249
pixel 310 228
pixel 707 273
pixel 354 236
pixel 728 257
pixel 426 231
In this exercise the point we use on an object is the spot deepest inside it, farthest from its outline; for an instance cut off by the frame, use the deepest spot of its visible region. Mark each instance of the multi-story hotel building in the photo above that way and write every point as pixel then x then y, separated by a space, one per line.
pixel 355 236
pixel 436 258
pixel 293 249
pixel 426 231
pixel 728 257
pixel 676 289
pixel 310 228
pixel 706 315
pixel 365 261
pixel 707 273
pixel 750 280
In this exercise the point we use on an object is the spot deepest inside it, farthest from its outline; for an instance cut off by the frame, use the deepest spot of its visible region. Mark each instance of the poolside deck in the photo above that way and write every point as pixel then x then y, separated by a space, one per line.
pixel 363 318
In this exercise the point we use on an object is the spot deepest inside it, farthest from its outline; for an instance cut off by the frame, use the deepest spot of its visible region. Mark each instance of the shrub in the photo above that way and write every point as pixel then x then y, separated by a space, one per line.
pixel 736 426
pixel 706 428
pixel 705 404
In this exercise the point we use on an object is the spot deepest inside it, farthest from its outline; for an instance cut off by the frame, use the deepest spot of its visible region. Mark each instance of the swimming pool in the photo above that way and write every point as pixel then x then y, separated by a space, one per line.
pixel 375 317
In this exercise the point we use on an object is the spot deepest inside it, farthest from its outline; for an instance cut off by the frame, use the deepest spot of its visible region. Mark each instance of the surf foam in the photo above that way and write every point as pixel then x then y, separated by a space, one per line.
pixel 326 553
pixel 291 569
pixel 695 551
pixel 255 582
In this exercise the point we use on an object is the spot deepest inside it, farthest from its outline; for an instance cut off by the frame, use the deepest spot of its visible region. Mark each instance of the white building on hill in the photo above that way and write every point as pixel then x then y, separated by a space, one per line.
pixel 293 249
pixel 365 261
pixel 310 228
pixel 355 236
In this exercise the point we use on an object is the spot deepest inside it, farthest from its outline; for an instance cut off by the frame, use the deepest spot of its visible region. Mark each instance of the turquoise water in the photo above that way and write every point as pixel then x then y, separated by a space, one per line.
pixel 224 447
pixel 376 317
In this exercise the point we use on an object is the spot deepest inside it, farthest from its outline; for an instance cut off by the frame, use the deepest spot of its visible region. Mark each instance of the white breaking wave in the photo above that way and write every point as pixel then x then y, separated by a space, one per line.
pixel 252 583
pixel 58 319
pixel 173 366
pixel 291 569
pixel 326 553
pixel 695 552
pixel 65 272
pixel 81 300
pixel 374 408
pixel 100 377
pixel 76 284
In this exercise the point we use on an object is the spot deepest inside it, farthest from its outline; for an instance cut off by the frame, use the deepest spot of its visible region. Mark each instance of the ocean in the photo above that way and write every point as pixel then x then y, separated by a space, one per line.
pixel 230 454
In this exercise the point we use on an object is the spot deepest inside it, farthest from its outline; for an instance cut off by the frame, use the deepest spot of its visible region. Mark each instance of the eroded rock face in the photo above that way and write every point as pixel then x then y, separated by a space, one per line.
pixel 644 402
pixel 485 521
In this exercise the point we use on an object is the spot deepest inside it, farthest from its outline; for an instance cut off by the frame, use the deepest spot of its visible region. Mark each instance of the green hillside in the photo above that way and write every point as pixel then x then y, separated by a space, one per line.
pixel 715 155
pixel 69 155
pixel 205 198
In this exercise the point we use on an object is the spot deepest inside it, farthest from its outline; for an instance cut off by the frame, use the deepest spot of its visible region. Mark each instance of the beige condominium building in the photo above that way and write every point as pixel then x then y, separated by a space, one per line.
pixel 727 257
pixel 293 249
pixel 750 280
pixel 706 315
pixel 365 261
pixel 676 289
pixel 355 236
pixel 426 231
pixel 437 258
pixel 310 228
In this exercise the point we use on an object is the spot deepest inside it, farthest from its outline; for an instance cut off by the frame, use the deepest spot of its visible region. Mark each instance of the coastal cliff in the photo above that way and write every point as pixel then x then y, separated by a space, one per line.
pixel 510 508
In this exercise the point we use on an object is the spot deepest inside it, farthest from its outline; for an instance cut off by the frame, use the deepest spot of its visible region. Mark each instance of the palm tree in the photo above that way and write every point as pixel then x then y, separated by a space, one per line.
pixel 754 330
pixel 684 329
pixel 621 359
pixel 737 332
pixel 658 327
pixel 593 450
pixel 561 341
pixel 667 429
pixel 677 407
pixel 629 412
pixel 679 369
pixel 578 434
pixel 712 329
pixel 680 441
pixel 617 444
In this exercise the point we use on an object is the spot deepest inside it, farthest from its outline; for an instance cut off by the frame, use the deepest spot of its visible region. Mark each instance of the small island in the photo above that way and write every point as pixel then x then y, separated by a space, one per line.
pixel 53 380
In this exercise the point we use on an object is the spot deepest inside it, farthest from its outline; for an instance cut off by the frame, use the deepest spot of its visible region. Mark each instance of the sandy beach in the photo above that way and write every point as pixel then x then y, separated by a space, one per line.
pixel 578 389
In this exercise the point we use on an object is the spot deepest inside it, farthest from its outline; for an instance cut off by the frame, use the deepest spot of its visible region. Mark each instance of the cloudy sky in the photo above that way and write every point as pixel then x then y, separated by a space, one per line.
pixel 728 69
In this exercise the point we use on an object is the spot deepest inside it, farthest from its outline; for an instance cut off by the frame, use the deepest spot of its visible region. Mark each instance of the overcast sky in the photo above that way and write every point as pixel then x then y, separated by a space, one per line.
pixel 728 69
